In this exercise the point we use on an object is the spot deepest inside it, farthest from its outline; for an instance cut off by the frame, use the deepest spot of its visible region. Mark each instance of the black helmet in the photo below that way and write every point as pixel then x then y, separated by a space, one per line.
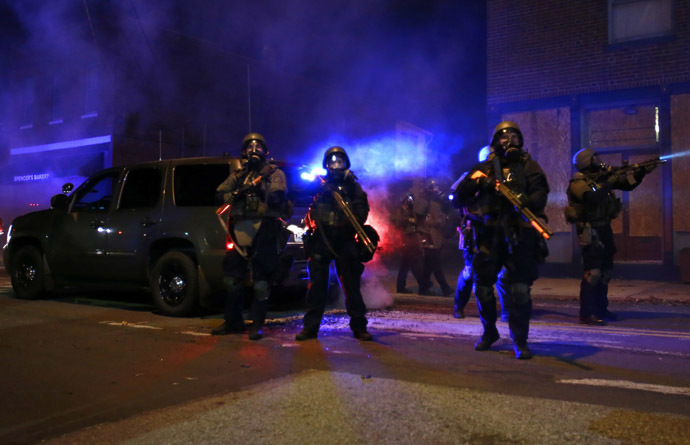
pixel 583 158
pixel 257 138
pixel 504 127
pixel 338 152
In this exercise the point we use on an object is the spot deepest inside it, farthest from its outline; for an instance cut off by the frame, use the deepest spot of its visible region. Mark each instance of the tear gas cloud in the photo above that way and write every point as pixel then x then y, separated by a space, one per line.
pixel 371 64
pixel 408 61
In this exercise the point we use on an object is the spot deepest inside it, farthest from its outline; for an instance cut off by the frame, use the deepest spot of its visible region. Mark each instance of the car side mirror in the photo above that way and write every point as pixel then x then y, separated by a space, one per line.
pixel 67 187
pixel 59 202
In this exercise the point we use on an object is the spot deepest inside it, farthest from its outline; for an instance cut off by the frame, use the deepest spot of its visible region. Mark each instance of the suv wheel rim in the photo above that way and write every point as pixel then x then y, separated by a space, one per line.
pixel 26 274
pixel 173 286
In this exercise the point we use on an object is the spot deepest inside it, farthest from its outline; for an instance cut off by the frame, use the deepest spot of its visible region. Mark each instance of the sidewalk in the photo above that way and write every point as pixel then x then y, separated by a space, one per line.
pixel 564 289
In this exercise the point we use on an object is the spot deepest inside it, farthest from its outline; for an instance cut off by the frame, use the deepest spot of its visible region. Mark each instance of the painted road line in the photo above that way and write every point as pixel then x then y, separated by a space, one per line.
pixel 625 384
pixel 129 325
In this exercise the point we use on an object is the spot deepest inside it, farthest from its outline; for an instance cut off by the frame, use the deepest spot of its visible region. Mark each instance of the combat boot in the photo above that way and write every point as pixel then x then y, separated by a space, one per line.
pixel 488 338
pixel 592 320
pixel 363 335
pixel 306 334
pixel 256 332
pixel 522 352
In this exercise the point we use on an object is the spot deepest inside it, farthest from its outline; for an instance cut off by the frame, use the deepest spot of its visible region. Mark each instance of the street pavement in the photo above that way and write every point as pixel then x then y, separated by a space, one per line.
pixel 340 407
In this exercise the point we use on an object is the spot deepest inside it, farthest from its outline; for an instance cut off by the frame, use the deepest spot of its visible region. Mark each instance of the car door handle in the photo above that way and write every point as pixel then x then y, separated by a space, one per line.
pixel 97 223
pixel 148 222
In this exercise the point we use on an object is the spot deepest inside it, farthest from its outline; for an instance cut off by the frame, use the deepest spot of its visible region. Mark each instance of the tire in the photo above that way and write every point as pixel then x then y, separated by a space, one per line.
pixel 28 274
pixel 175 284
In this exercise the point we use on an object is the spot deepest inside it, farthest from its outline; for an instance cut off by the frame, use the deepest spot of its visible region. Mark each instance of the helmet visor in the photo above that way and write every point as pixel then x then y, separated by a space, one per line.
pixel 335 162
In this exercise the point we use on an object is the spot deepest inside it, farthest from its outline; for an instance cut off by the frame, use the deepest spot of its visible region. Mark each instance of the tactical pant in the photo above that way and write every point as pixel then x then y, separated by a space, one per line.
pixel 597 259
pixel 349 270
pixel 432 265
pixel 465 285
pixel 517 253
pixel 411 260
pixel 258 267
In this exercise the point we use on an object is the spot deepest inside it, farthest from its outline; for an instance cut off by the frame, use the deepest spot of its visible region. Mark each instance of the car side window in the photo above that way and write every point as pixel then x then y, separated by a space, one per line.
pixel 96 194
pixel 195 184
pixel 142 188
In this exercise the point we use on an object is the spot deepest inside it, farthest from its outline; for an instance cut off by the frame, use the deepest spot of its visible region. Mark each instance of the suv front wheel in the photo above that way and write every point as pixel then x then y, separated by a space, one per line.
pixel 175 284
pixel 28 274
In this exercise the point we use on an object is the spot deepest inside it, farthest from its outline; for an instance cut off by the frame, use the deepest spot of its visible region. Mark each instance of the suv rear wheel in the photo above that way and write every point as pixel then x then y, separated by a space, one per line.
pixel 175 284
pixel 28 275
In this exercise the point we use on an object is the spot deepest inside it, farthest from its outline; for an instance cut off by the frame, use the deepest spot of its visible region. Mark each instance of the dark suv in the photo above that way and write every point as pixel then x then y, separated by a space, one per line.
pixel 151 225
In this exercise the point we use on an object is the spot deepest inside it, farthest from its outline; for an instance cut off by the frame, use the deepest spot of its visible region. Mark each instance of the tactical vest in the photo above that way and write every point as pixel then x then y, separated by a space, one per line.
pixel 252 204
pixel 580 212
pixel 326 212
pixel 493 205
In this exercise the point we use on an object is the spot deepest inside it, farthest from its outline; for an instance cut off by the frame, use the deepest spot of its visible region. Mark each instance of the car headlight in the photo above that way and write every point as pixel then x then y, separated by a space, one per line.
pixel 9 234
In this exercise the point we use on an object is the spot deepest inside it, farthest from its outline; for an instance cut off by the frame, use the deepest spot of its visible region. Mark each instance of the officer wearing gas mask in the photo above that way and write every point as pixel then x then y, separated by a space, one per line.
pixel 504 239
pixel 471 218
pixel 434 207
pixel 332 238
pixel 592 205
pixel 257 195
pixel 410 252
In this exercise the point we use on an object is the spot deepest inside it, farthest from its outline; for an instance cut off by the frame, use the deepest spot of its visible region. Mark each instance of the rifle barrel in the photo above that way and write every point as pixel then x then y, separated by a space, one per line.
pixel 353 220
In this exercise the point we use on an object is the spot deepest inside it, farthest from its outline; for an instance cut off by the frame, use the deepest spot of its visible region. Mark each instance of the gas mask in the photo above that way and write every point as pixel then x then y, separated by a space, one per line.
pixel 336 168
pixel 254 152
pixel 510 143
pixel 598 164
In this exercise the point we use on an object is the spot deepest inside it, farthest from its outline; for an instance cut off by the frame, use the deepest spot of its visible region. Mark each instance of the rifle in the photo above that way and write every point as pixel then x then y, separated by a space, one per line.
pixel 364 238
pixel 526 213
pixel 625 168
pixel 226 207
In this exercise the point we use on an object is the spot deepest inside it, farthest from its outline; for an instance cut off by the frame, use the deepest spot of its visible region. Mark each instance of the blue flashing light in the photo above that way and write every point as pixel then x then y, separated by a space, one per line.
pixel 311 175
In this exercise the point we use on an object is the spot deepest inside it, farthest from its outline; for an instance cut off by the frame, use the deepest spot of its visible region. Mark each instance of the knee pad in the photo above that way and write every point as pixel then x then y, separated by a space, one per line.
pixel 521 293
pixel 484 294
pixel 605 277
pixel 261 290
pixel 231 283
pixel 593 276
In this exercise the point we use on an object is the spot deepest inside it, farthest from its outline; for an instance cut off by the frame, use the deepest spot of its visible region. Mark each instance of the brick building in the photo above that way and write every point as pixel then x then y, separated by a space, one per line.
pixel 614 76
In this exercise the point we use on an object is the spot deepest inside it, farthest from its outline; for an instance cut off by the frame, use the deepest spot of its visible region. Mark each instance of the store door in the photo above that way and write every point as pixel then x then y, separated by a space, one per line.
pixel 638 230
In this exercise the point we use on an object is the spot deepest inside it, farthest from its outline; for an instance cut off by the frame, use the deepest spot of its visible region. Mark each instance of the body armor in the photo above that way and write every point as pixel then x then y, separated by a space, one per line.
pixel 580 212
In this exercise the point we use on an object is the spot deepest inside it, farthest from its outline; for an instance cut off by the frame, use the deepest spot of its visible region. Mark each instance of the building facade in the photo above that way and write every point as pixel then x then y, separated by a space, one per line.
pixel 613 76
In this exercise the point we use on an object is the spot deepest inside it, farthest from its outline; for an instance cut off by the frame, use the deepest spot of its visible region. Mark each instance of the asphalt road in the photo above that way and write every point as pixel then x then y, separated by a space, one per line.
pixel 107 369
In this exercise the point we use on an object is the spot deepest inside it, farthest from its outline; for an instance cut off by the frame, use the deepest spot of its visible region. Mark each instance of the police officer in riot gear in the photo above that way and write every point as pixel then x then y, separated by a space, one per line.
pixel 504 239
pixel 433 207
pixel 411 253
pixel 257 195
pixel 471 218
pixel 592 205
pixel 332 238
